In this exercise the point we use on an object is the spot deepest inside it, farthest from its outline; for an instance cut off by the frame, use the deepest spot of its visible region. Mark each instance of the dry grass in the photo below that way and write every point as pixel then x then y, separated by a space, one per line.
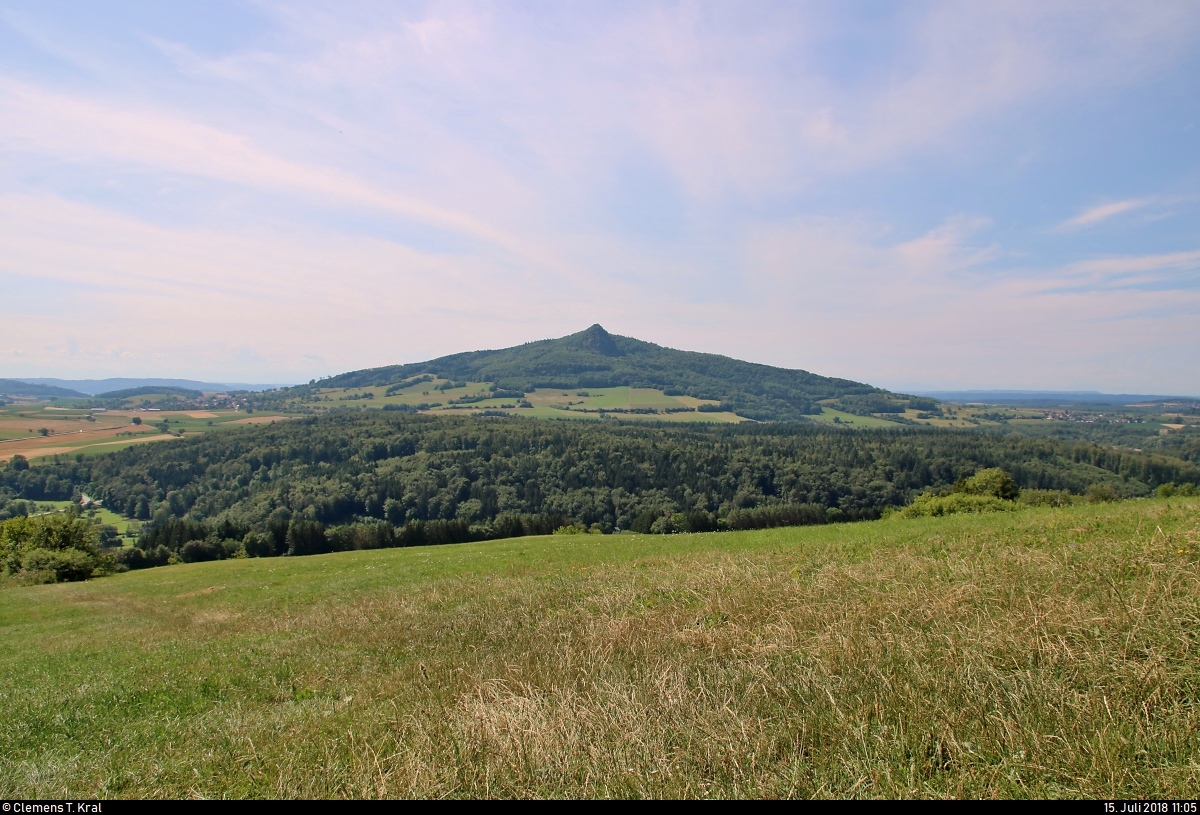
pixel 1039 653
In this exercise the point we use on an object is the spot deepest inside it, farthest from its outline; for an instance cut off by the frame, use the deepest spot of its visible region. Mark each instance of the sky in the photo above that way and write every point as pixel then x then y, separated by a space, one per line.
pixel 916 195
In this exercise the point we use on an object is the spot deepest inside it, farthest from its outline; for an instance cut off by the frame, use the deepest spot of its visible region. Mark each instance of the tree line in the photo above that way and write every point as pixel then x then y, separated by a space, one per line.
pixel 361 480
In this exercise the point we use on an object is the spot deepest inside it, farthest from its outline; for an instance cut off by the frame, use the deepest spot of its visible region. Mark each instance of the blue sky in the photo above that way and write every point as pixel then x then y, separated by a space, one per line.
pixel 919 195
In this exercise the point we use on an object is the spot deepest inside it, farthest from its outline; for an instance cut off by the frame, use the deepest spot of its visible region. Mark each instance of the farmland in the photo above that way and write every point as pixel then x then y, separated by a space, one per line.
pixel 441 396
pixel 1042 653
pixel 71 428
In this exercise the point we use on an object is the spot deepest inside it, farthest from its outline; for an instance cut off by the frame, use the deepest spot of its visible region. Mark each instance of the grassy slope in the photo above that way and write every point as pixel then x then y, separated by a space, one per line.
pixel 1040 653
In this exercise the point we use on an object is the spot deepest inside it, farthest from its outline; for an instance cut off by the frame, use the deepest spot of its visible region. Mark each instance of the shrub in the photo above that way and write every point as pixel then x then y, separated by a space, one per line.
pixel 1101 493
pixel 59 566
pixel 932 505
pixel 993 481
pixel 137 558
pixel 50 548
pixel 211 548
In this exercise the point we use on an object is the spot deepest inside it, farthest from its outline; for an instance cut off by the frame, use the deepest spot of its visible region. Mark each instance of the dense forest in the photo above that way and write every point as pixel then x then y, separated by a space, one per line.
pixel 596 359
pixel 354 480
pixel 1183 444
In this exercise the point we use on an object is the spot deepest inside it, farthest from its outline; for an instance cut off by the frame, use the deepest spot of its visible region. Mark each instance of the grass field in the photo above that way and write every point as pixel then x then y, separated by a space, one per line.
pixel 828 414
pixel 547 403
pixel 1036 653
pixel 98 515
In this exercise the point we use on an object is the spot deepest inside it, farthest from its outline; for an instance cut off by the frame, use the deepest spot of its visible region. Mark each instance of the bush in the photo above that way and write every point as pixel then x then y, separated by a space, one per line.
pixel 137 558
pixel 932 505
pixel 50 548
pixel 665 525
pixel 1170 489
pixel 211 548
pixel 62 566
pixel 994 482
pixel 1101 493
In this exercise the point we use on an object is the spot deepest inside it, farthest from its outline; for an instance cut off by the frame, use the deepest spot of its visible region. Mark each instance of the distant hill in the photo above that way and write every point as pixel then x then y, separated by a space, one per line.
pixel 595 358
pixel 92 387
pixel 1051 398
pixel 15 387
pixel 147 390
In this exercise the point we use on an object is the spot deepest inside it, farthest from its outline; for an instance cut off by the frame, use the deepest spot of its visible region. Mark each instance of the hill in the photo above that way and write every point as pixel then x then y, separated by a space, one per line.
pixel 1035 654
pixel 15 387
pixel 151 390
pixel 595 358
pixel 91 387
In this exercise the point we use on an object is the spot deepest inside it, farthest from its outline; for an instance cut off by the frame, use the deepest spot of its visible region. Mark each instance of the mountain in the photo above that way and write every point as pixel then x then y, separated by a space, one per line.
pixel 15 387
pixel 92 387
pixel 595 358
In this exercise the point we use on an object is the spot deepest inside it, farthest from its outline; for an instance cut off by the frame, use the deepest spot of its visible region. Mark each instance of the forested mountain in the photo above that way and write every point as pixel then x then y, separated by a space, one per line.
pixel 424 479
pixel 596 359
pixel 14 387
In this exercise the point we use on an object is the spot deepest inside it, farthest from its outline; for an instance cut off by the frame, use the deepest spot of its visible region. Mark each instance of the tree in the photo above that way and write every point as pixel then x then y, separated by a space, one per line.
pixel 992 481
pixel 137 419
pixel 19 462
pixel 49 549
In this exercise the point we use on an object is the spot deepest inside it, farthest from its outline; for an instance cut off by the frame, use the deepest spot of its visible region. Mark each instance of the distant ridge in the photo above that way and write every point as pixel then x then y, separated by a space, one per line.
pixel 16 387
pixel 92 387
pixel 594 358
pixel 1032 398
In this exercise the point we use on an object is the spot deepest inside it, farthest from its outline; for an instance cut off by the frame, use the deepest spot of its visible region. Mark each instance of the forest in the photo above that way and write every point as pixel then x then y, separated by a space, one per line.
pixel 368 480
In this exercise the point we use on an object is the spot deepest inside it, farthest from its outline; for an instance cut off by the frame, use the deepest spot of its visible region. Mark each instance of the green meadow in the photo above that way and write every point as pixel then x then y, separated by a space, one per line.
pixel 100 515
pixel 1040 653
pixel 546 403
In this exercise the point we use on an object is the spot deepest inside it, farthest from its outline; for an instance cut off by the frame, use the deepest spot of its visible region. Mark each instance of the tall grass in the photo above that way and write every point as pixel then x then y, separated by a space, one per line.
pixel 1047 652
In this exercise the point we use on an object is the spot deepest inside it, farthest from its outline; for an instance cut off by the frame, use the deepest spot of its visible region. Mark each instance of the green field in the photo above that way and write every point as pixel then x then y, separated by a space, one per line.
pixel 98 515
pixel 547 403
pixel 1040 653
pixel 828 415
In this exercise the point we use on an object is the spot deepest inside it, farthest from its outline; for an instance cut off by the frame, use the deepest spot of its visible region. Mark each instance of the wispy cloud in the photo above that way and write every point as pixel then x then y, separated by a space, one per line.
pixel 1102 212
pixel 798 184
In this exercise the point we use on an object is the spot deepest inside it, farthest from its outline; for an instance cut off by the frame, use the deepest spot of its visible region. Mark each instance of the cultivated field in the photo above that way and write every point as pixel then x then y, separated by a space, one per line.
pixel 1026 654
pixel 70 431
